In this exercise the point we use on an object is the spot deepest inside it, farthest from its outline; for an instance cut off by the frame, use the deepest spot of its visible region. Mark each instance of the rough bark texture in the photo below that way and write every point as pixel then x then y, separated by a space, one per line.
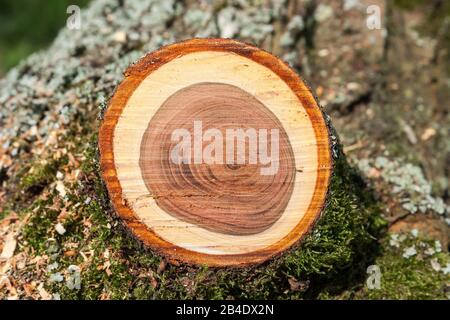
pixel 390 116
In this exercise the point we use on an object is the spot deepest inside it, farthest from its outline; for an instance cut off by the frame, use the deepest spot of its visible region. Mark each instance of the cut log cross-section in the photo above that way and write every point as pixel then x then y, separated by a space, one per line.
pixel 215 152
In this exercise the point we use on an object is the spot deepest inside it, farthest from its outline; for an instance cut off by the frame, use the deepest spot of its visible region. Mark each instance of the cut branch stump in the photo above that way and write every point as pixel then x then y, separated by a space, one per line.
pixel 215 152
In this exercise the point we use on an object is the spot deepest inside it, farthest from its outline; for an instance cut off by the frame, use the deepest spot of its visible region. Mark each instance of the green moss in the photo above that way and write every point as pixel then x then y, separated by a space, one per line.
pixel 39 176
pixel 409 4
pixel 409 278
pixel 39 228
pixel 4 212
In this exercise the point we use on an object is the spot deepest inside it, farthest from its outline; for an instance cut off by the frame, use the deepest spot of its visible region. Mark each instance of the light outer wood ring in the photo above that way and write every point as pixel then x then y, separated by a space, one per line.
pixel 151 62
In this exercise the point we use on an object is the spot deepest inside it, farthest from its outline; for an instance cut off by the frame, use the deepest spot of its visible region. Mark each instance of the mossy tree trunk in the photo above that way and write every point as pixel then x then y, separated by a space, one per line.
pixel 51 173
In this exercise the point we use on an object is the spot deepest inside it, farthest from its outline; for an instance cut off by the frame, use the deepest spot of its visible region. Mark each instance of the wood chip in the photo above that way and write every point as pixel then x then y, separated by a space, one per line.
pixel 427 134
pixel 162 266
pixel 61 189
pixel 9 247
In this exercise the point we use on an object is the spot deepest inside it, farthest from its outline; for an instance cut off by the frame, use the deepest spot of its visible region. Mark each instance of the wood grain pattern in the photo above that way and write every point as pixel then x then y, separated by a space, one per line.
pixel 219 214
pixel 229 198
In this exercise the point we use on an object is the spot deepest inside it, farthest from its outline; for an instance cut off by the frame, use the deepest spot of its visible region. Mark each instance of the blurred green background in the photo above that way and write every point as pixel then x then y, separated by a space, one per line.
pixel 29 25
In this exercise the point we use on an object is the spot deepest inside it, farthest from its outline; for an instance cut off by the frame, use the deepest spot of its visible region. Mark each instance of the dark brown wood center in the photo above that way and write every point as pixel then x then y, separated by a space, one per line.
pixel 231 198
